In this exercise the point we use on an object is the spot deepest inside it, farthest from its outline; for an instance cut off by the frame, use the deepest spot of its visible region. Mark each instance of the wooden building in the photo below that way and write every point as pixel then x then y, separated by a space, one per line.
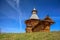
pixel 34 24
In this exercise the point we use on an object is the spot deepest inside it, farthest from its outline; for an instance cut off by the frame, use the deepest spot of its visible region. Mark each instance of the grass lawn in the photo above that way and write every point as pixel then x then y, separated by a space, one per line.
pixel 31 36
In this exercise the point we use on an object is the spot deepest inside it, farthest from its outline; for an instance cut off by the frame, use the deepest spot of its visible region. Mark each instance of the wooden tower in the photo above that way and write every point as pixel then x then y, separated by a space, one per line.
pixel 34 24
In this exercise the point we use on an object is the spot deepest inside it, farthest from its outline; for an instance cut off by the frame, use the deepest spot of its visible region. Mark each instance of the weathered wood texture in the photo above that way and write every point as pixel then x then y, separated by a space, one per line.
pixel 35 25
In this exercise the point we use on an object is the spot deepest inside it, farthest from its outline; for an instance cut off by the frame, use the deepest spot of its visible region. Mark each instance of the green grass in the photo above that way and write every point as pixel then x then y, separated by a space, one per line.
pixel 31 36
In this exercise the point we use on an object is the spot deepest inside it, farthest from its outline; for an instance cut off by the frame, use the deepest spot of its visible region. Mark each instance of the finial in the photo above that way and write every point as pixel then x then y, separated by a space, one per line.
pixel 34 9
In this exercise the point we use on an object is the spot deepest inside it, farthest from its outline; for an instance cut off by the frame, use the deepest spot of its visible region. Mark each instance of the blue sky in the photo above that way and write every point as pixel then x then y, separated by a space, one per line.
pixel 13 15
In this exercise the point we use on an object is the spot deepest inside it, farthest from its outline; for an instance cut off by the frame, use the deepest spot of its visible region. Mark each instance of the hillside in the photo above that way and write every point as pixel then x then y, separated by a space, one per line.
pixel 31 36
